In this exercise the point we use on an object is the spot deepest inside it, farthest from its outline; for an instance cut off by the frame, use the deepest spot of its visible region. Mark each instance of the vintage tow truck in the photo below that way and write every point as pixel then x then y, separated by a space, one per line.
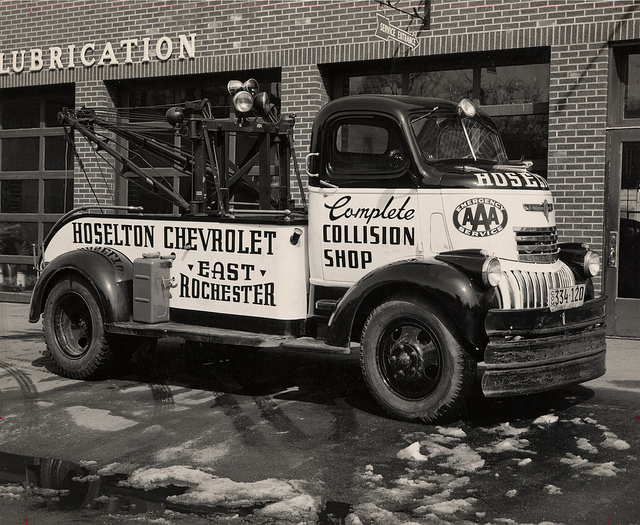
pixel 417 243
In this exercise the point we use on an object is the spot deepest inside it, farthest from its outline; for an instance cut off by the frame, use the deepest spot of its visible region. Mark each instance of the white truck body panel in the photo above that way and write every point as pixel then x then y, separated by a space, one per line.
pixel 220 267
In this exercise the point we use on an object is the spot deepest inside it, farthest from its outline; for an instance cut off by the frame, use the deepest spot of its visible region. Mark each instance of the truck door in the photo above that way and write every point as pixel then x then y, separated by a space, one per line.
pixel 365 212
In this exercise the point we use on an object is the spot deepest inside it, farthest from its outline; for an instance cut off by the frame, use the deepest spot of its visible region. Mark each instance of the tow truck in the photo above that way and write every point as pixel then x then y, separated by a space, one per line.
pixel 415 242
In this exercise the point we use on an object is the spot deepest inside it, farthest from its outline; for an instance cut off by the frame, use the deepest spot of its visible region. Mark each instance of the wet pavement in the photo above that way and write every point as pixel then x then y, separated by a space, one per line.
pixel 199 436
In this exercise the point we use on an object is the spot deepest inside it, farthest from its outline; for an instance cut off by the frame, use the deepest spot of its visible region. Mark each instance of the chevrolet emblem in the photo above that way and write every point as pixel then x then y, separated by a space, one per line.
pixel 546 207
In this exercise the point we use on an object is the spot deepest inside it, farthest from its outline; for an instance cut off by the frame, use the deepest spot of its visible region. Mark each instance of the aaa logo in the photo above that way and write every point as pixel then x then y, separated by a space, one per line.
pixel 480 217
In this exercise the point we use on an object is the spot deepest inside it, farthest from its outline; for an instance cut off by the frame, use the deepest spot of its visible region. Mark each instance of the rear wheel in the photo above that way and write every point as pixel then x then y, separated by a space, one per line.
pixel 74 330
pixel 413 362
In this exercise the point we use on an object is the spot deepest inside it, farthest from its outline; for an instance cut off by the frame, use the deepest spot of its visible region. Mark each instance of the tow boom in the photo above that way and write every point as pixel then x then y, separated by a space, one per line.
pixel 242 163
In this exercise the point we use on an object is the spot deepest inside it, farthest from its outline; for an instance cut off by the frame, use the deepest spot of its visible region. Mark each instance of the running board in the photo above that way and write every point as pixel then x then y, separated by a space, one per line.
pixel 208 334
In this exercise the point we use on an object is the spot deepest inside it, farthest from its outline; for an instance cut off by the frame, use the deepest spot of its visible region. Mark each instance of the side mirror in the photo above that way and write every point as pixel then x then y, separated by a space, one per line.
pixel 396 158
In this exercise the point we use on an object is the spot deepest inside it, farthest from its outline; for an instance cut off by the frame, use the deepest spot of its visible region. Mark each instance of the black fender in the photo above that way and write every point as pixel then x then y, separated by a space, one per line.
pixel 464 300
pixel 108 271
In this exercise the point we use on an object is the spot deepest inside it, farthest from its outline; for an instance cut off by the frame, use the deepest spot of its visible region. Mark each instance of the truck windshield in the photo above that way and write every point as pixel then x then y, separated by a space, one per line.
pixel 449 137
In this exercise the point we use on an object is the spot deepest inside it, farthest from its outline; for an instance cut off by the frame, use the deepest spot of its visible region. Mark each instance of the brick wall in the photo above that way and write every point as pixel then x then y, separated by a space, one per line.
pixel 95 184
pixel 298 35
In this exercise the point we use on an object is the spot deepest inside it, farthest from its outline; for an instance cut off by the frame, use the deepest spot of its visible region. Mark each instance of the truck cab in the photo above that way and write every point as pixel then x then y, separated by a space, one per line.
pixel 418 245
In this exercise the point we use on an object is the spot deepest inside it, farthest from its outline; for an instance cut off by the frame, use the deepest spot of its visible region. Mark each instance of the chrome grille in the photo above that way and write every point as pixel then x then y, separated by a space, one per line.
pixel 537 245
pixel 525 289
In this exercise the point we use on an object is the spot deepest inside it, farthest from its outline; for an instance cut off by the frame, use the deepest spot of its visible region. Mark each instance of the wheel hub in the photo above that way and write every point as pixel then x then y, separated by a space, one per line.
pixel 73 326
pixel 412 361
pixel 405 360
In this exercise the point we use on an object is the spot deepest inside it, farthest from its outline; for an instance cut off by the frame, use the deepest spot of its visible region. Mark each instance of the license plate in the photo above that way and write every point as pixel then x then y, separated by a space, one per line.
pixel 564 298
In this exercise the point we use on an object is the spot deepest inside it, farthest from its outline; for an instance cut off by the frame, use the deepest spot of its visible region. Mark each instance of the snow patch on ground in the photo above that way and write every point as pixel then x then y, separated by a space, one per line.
pixel 448 507
pixel 412 453
pixel 299 509
pixel 98 419
pixel 509 444
pixel 612 441
pixel 508 441
pixel 369 477
pixel 574 461
pixel 285 500
pixel 548 419
pixel 584 444
pixel 372 513
pixel 444 444
pixel 435 495
pixel 11 491
pixel 116 468
pixel 454 432
pixel 587 467
pixel 422 490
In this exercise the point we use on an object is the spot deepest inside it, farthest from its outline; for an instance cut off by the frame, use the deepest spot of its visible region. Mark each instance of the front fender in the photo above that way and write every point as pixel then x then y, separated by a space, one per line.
pixel 108 271
pixel 463 299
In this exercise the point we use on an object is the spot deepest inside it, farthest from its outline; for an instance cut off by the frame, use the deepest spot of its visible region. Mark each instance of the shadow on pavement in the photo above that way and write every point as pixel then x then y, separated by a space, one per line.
pixel 488 412
pixel 246 372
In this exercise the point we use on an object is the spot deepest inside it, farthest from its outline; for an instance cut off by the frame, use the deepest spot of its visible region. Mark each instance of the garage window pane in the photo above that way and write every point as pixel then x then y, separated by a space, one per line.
pixel 449 84
pixel 387 84
pixel 19 196
pixel 515 84
pixel 20 154
pixel 58 195
pixel 526 137
pixel 57 154
pixel 632 88
pixel 18 114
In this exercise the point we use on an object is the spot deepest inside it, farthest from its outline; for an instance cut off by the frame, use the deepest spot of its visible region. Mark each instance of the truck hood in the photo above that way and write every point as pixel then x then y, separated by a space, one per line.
pixel 509 213
pixel 489 176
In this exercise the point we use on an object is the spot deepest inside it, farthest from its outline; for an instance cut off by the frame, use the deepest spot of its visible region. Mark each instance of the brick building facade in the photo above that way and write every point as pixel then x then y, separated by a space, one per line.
pixel 564 72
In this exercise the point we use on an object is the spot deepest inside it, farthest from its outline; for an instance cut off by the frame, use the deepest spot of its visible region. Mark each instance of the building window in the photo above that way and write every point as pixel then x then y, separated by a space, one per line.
pixel 631 106
pixel 145 102
pixel 36 177
pixel 625 86
pixel 511 86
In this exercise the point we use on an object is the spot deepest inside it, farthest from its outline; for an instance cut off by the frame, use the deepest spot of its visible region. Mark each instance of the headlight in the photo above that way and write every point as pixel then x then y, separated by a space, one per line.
pixel 233 86
pixel 591 263
pixel 491 272
pixel 243 101
pixel 251 86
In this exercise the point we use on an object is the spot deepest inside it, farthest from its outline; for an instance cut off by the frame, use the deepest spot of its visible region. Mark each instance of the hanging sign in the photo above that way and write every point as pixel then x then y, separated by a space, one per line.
pixel 386 31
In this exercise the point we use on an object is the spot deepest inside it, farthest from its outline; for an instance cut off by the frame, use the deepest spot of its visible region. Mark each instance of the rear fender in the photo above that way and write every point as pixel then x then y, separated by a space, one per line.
pixel 464 300
pixel 109 272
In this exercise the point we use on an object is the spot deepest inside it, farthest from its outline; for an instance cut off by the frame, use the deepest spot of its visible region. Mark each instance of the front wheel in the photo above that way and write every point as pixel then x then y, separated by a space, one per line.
pixel 413 362
pixel 74 330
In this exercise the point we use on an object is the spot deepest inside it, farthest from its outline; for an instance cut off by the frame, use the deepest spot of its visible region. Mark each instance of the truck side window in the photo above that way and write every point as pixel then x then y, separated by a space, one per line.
pixel 361 149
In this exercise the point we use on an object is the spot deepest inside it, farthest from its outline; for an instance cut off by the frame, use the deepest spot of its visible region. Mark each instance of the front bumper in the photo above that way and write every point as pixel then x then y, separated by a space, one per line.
pixel 536 350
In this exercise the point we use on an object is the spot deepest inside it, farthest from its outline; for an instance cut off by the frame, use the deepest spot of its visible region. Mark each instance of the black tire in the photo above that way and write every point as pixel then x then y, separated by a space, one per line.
pixel 74 330
pixel 413 361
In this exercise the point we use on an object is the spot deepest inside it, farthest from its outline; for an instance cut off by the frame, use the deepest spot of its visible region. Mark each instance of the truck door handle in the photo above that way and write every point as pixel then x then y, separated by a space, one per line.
pixel 613 246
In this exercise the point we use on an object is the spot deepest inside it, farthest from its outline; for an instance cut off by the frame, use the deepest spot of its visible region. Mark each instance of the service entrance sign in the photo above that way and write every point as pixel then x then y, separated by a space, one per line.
pixel 386 31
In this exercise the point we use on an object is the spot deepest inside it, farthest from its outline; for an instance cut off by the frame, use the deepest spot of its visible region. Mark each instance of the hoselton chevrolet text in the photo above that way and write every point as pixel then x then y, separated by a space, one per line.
pixel 416 243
